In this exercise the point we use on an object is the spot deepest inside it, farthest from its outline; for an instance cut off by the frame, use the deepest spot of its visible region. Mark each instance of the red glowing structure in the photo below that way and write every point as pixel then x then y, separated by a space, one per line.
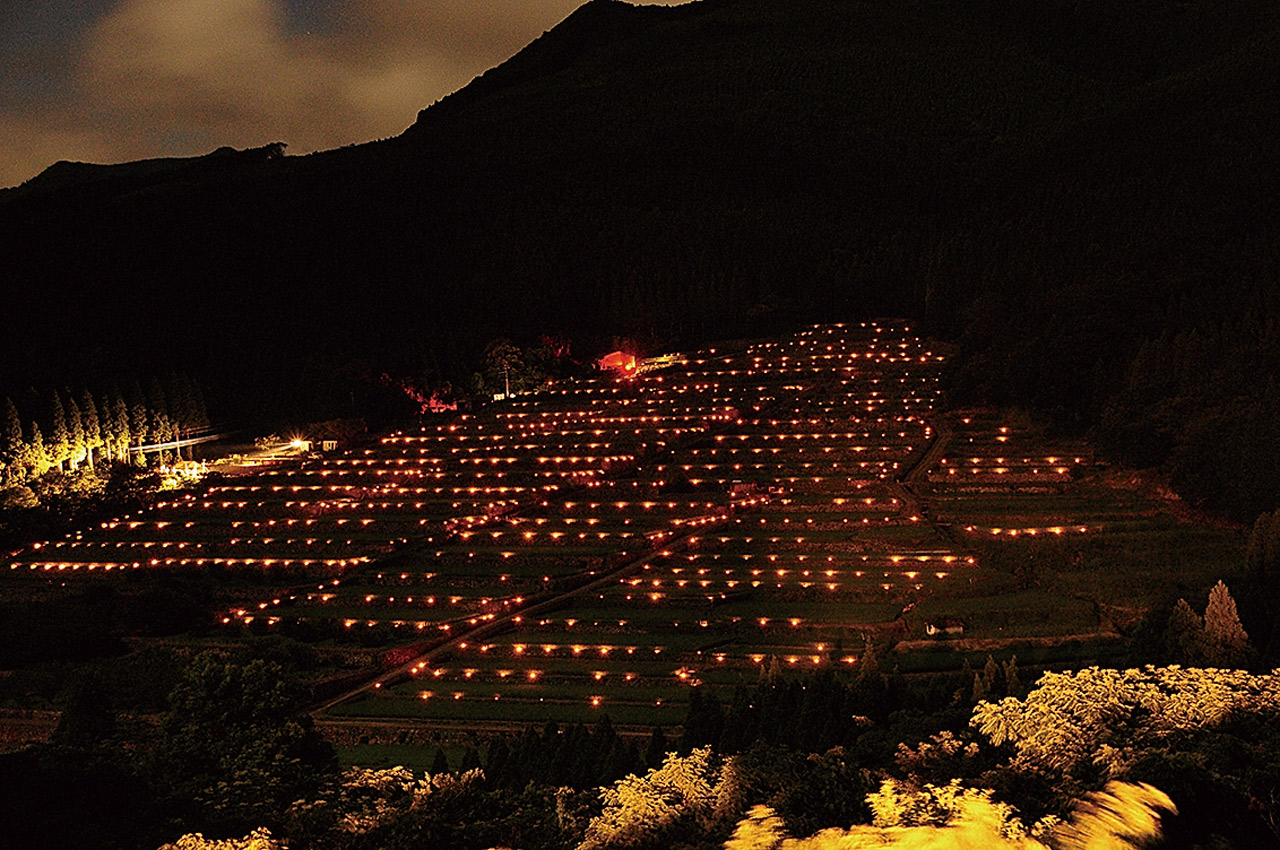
pixel 618 361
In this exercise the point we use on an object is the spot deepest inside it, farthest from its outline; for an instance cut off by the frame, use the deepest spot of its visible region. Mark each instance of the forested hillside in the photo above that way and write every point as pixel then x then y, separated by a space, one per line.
pixel 1083 194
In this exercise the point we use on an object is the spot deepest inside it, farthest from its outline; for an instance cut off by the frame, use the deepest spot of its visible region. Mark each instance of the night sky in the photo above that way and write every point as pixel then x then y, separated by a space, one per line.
pixel 116 80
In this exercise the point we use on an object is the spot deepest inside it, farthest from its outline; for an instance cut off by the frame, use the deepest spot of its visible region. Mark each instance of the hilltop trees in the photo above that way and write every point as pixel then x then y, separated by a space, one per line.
pixel 120 436
pixel 58 445
pixel 509 369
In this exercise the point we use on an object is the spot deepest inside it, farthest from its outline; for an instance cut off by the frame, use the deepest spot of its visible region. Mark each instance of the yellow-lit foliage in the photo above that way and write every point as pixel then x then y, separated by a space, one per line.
pixel 761 829
pixel 637 809
pixel 1120 817
pixel 899 804
pixel 1123 817
pixel 365 799
pixel 259 839
pixel 1107 717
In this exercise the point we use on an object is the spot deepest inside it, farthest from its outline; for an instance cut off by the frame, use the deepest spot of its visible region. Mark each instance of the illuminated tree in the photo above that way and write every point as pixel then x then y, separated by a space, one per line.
pixel 900 804
pixel 120 426
pixel 162 425
pixel 37 457
pixel 1122 817
pixel 91 423
pixel 680 794
pixel 12 448
pixel 993 675
pixel 1228 642
pixel 259 839
pixel 58 446
pixel 941 757
pixel 1012 684
pixel 507 369
pixel 979 687
pixel 76 447
pixel 108 428
pixel 139 421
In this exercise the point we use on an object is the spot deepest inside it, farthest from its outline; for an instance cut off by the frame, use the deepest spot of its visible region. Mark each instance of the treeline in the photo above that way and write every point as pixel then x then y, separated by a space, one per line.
pixel 575 756
pixel 1183 377
pixel 91 428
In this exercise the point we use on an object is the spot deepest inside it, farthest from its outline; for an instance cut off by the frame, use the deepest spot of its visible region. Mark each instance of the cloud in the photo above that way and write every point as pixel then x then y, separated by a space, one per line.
pixel 230 72
pixel 181 77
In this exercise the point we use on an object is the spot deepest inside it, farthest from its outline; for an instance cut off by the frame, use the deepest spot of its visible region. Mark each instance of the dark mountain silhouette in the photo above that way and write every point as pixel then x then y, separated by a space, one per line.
pixel 1059 184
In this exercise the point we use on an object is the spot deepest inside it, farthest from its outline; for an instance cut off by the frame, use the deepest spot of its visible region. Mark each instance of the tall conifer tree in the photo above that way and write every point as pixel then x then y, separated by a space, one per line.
pixel 37 455
pixel 75 433
pixel 92 425
pixel 59 443
pixel 11 446
pixel 162 430
pixel 139 420
pixel 1228 642
pixel 120 425
pixel 1185 637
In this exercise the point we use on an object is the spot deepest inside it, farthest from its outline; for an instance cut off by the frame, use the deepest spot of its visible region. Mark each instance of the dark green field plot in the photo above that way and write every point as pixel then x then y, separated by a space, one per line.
pixel 1015 614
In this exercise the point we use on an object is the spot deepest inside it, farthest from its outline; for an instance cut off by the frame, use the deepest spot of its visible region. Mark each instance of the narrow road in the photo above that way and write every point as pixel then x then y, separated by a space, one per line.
pixel 941 439
pixel 912 504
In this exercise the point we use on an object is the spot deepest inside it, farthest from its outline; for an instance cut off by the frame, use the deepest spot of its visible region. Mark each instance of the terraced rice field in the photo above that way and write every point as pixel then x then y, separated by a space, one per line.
pixel 767 523
pixel 610 543
pixel 1077 531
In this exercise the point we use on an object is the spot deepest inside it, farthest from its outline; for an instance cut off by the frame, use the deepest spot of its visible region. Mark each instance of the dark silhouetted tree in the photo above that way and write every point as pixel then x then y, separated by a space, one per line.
pixel 656 751
pixel 234 744
pixel 1185 637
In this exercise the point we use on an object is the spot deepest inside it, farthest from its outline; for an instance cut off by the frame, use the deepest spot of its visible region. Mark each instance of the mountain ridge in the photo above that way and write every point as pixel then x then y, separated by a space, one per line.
pixel 674 174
